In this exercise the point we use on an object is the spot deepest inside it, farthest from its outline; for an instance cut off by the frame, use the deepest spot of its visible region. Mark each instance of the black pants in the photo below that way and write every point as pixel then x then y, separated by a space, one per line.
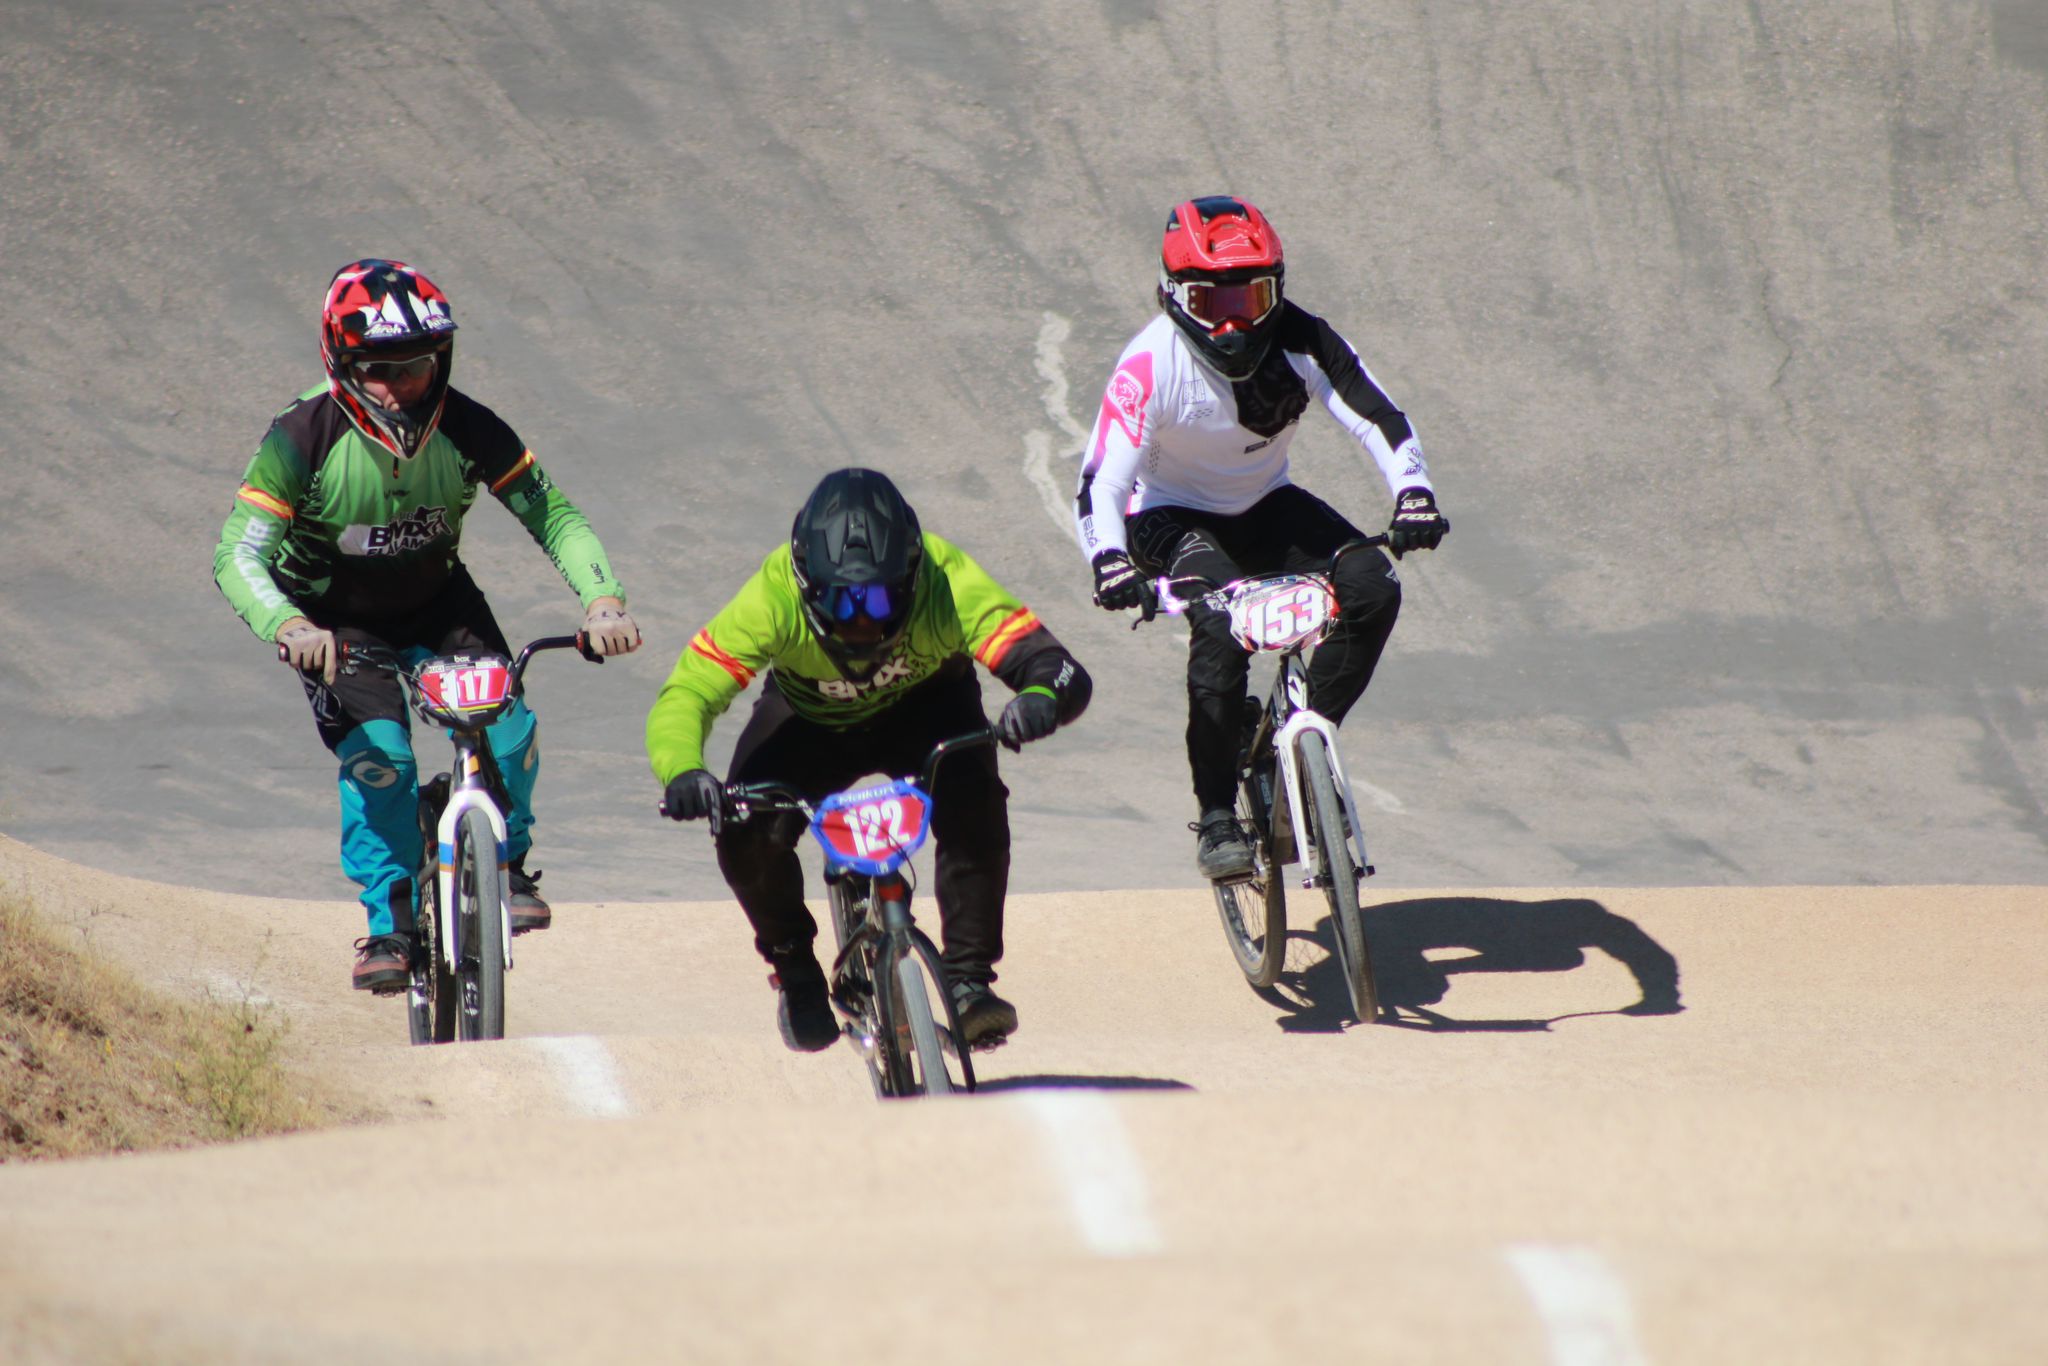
pixel 970 815
pixel 1290 531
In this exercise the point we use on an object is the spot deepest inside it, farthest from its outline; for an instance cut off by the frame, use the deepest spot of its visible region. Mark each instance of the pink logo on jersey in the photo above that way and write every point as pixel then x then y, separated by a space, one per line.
pixel 1130 389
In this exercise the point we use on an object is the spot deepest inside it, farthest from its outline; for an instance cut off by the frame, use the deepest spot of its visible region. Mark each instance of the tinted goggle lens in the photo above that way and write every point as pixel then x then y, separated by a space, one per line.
pixel 1212 304
pixel 395 371
pixel 871 600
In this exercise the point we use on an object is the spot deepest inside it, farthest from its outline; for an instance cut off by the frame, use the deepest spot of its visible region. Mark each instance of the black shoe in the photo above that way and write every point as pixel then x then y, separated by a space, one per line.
pixel 803 1007
pixel 1221 850
pixel 383 963
pixel 529 912
pixel 986 1019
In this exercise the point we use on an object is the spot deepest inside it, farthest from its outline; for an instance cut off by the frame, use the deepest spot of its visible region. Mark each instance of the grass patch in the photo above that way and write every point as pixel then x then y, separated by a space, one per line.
pixel 92 1061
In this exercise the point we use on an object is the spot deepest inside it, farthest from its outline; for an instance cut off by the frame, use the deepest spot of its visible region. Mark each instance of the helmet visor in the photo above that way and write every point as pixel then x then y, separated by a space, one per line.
pixel 1212 304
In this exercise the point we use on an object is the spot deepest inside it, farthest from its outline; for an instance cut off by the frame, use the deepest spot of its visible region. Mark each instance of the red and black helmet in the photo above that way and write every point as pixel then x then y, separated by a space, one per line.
pixel 385 313
pixel 1220 276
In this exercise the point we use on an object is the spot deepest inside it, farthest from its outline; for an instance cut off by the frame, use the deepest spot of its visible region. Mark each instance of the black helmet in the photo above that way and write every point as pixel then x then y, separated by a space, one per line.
pixel 857 549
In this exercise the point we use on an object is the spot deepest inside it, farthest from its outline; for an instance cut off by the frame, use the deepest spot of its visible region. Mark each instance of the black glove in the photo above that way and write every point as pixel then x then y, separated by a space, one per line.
pixel 1031 715
pixel 1417 525
pixel 1118 584
pixel 692 795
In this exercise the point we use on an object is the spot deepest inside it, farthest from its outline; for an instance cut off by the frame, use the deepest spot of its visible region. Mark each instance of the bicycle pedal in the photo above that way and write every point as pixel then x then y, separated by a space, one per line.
pixel 395 989
pixel 989 1044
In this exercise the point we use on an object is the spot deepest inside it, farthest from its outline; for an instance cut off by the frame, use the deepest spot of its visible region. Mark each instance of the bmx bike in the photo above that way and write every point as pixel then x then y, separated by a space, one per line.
pixel 463 931
pixel 888 981
pixel 1293 798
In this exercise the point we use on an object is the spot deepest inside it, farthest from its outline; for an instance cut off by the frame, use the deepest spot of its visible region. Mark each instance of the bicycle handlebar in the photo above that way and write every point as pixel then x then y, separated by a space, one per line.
pixel 1162 595
pixel 383 656
pixel 743 799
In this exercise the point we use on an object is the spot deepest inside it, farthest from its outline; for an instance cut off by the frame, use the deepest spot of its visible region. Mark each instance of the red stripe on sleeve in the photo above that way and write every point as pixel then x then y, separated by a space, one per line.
pixel 705 646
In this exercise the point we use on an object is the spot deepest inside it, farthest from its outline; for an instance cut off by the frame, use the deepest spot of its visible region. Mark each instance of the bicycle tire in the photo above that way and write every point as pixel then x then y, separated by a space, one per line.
pixel 1339 876
pixel 446 991
pixel 1254 913
pixel 925 1054
pixel 419 995
pixel 853 974
pixel 950 1037
pixel 481 972
pixel 433 994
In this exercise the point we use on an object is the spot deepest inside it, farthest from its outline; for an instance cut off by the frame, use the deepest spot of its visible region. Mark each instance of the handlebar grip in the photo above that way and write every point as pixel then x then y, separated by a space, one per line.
pixel 583 648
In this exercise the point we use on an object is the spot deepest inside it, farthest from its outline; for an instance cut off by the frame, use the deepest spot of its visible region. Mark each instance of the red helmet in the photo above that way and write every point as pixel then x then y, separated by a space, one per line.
pixel 1220 276
pixel 381 314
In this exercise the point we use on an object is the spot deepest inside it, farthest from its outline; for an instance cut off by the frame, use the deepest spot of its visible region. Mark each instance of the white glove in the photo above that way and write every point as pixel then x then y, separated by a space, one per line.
pixel 307 648
pixel 608 629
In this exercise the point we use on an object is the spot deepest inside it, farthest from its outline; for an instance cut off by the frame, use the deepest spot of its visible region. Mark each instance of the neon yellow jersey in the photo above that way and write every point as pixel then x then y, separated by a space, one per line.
pixel 957 610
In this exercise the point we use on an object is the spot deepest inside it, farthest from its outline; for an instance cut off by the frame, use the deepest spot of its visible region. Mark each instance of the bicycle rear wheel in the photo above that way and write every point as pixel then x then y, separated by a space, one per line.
pixel 1254 913
pixel 852 978
pixel 892 1060
pixel 1339 876
pixel 430 1000
pixel 480 972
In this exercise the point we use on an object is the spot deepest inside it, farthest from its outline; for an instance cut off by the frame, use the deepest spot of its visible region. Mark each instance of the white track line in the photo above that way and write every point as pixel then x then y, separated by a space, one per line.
pixel 588 1076
pixel 1099 1172
pixel 1584 1306
pixel 1039 444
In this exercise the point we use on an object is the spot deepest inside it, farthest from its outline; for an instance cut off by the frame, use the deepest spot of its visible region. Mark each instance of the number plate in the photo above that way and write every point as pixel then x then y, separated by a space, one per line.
pixel 466 687
pixel 1279 613
pixel 874 830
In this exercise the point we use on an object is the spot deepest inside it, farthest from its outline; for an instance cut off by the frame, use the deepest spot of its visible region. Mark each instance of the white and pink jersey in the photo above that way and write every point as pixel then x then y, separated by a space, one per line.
pixel 1174 432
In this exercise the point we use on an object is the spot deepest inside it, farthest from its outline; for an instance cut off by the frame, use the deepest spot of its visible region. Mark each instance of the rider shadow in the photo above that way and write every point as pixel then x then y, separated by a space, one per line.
pixel 1062 1082
pixel 1497 936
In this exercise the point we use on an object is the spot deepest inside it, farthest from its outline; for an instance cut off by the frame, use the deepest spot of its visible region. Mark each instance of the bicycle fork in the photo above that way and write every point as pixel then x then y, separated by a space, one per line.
pixel 1301 824
pixel 470 789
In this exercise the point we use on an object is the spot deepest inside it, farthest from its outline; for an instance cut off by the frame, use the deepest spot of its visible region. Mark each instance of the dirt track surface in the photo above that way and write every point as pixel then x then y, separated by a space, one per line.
pixel 1613 1126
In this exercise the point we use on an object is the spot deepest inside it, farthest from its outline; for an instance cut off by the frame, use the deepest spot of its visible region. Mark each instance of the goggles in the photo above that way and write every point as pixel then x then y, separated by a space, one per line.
pixel 870 600
pixel 395 371
pixel 1212 304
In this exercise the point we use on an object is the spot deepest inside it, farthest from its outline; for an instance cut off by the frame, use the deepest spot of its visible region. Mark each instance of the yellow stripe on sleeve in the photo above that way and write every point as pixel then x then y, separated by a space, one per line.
pixel 264 502
pixel 524 463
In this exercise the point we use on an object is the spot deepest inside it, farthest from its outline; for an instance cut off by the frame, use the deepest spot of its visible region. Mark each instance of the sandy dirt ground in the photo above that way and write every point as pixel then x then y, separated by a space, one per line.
pixel 1641 1125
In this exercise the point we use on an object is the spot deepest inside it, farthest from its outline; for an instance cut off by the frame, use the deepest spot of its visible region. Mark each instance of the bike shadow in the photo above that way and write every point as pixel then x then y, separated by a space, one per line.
pixel 1063 1082
pixel 1498 935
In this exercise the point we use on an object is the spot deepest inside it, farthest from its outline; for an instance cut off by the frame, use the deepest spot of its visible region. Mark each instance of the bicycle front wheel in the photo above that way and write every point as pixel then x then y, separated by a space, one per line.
pixel 480 972
pixel 1339 876
pixel 1254 913
pixel 918 980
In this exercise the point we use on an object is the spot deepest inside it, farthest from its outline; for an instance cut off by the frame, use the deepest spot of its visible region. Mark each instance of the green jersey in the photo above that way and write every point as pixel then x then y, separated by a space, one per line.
pixel 957 611
pixel 330 525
